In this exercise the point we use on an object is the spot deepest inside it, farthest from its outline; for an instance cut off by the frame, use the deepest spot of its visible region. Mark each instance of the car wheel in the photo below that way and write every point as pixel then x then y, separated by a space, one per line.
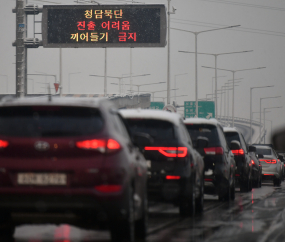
pixel 124 230
pixel 141 224
pixel 200 200
pixel 233 191
pixel 250 185
pixel 7 227
pixel 260 181
pixel 187 202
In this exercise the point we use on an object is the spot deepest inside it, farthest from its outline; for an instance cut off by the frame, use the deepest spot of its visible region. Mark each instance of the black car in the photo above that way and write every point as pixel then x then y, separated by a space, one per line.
pixel 175 173
pixel 218 158
pixel 71 156
pixel 243 172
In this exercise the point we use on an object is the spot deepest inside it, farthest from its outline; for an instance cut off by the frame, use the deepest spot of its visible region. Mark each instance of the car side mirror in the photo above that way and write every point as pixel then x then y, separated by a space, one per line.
pixel 142 140
pixel 251 148
pixel 260 156
pixel 201 142
pixel 235 145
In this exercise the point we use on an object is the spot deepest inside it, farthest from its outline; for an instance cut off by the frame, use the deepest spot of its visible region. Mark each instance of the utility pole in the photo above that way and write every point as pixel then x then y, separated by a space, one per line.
pixel 168 52
pixel 22 43
pixel 21 50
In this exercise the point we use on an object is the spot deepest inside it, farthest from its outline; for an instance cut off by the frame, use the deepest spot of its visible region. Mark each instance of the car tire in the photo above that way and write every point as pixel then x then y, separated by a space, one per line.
pixel 233 191
pixel 124 230
pixel 7 227
pixel 141 224
pixel 260 181
pixel 187 204
pixel 200 200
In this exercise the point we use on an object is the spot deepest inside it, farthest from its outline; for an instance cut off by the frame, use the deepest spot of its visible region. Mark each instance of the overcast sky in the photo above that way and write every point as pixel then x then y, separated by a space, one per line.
pixel 262 30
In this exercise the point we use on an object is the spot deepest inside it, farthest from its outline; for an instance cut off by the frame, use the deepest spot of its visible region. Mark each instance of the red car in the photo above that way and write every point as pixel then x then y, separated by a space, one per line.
pixel 71 156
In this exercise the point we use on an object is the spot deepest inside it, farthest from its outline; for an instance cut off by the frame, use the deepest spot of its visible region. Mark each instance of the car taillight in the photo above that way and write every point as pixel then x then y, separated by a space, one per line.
pixel 252 162
pixel 172 177
pixel 170 151
pixel 238 152
pixel 102 145
pixel 269 161
pixel 208 179
pixel 108 188
pixel 214 151
pixel 3 143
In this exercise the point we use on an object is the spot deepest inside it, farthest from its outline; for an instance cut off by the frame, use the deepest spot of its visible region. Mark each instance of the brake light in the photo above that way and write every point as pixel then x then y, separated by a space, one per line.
pixel 3 143
pixel 108 188
pixel 269 161
pixel 113 145
pixel 102 145
pixel 252 162
pixel 268 174
pixel 238 152
pixel 237 174
pixel 170 151
pixel 172 177
pixel 214 151
pixel 208 179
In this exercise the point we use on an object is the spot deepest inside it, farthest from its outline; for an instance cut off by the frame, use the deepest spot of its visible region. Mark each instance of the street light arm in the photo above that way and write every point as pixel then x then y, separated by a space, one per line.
pixel 262 87
pixel 185 30
pixel 233 26
pixel 237 52
pixel 145 84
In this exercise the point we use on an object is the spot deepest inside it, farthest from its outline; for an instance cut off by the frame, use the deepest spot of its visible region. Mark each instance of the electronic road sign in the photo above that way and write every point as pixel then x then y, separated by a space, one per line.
pixel 76 26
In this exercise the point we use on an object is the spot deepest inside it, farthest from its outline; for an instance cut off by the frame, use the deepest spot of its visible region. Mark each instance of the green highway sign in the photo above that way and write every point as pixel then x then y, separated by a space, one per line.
pixel 206 109
pixel 156 105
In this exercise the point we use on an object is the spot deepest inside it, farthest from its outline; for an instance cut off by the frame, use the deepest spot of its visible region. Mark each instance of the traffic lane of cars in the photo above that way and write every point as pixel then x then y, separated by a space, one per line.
pixel 165 224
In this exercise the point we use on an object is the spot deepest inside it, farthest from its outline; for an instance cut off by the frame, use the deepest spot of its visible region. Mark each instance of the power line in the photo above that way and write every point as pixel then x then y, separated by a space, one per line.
pixel 246 5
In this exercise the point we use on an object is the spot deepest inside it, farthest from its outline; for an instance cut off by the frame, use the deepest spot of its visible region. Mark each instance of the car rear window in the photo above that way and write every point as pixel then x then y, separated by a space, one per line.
pixel 49 121
pixel 157 129
pixel 263 151
pixel 230 136
pixel 204 130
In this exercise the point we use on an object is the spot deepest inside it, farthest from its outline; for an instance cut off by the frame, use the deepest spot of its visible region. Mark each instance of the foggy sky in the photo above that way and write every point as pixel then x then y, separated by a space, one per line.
pixel 194 15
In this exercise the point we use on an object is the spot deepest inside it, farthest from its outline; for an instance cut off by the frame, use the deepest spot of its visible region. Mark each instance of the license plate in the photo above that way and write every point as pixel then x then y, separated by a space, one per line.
pixel 41 179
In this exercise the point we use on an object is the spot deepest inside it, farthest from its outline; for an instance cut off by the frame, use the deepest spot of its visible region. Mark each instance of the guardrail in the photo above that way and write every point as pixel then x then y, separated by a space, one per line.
pixel 225 120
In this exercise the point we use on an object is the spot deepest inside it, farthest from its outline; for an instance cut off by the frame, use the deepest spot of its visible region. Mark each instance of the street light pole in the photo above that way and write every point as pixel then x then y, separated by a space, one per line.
pixel 196 58
pixel 175 82
pixel 251 109
pixel 216 59
pixel 260 113
pixel 264 109
pixel 213 85
pixel 233 72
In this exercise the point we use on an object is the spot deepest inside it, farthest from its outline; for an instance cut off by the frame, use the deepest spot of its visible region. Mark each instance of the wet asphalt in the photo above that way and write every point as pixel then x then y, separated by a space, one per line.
pixel 255 216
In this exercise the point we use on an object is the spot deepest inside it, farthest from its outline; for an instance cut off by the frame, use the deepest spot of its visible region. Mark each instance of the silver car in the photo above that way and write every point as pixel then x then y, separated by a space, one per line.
pixel 271 165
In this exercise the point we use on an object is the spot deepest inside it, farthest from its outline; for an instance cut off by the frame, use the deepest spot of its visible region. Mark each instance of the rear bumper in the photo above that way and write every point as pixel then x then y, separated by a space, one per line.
pixel 160 189
pixel 270 175
pixel 111 205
